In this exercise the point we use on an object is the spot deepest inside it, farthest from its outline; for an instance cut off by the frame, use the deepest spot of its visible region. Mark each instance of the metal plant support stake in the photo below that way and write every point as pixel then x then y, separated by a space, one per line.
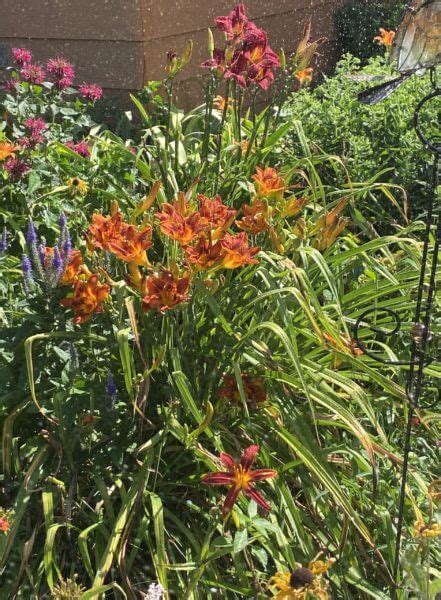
pixel 420 332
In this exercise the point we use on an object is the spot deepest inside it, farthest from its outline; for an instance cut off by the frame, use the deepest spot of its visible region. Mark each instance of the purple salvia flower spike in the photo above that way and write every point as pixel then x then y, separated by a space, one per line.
pixel 4 240
pixel 31 234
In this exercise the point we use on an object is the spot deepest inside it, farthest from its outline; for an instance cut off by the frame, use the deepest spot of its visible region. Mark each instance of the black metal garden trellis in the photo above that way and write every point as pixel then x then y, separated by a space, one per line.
pixel 420 333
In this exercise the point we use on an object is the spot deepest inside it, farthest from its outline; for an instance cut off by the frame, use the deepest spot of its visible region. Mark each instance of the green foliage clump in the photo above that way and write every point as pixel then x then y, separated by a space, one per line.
pixel 374 141
pixel 358 22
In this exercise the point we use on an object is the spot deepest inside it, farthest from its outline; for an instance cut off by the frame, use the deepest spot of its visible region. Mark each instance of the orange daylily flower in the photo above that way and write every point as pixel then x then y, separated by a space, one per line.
pixel 87 298
pixel 343 343
pixel 220 103
pixel 7 150
pixel 253 388
pixel 74 268
pixel 237 251
pixel 269 183
pixel 386 37
pixel 293 206
pixel 204 254
pixel 124 240
pixel 304 75
pixel 5 526
pixel 165 291
pixel 330 225
pixel 255 219
pixel 216 214
pixel 181 228
pixel 241 478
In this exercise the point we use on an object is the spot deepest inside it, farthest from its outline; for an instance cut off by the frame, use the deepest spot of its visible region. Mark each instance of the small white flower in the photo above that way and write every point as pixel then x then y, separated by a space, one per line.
pixel 155 592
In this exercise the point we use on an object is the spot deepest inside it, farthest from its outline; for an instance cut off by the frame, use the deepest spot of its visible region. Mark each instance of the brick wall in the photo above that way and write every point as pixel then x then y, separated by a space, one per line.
pixel 121 44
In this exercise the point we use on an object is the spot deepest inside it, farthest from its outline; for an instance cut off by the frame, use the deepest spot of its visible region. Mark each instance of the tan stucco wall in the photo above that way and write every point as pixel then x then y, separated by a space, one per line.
pixel 121 44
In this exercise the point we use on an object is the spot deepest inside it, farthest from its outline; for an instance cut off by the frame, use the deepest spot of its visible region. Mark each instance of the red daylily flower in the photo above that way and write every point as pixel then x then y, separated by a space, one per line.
pixel 181 228
pixel 87 298
pixel 165 291
pixel 124 240
pixel 204 254
pixel 237 251
pixel 241 478
pixel 217 214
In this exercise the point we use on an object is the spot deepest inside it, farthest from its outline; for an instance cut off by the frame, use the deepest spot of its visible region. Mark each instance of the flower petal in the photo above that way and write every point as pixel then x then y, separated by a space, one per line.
pixel 227 461
pixel 261 474
pixel 230 500
pixel 248 455
pixel 258 498
pixel 218 478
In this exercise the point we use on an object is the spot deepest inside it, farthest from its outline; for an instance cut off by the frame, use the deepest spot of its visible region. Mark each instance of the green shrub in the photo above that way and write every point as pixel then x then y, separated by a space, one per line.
pixel 370 139
pixel 358 23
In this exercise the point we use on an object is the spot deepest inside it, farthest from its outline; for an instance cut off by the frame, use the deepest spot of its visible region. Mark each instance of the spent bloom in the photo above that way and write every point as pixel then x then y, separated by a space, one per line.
pixel 304 582
pixel 253 388
pixel 386 37
pixel 21 56
pixel 237 251
pixel 240 476
pixel 11 86
pixel 67 589
pixel 91 91
pixel 165 291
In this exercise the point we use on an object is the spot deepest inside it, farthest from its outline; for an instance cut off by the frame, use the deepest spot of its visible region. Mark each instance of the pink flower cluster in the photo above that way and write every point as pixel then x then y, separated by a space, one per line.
pixel 91 91
pixel 247 57
pixel 34 130
pixel 61 72
pixel 81 148
pixel 16 168
pixel 58 70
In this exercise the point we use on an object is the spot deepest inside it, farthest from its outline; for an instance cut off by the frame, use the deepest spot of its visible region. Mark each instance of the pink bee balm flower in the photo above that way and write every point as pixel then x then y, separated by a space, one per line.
pixel 61 71
pixel 81 148
pixel 36 126
pixel 10 87
pixel 21 56
pixel 33 73
pixel 91 91
pixel 16 168
pixel 241 478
